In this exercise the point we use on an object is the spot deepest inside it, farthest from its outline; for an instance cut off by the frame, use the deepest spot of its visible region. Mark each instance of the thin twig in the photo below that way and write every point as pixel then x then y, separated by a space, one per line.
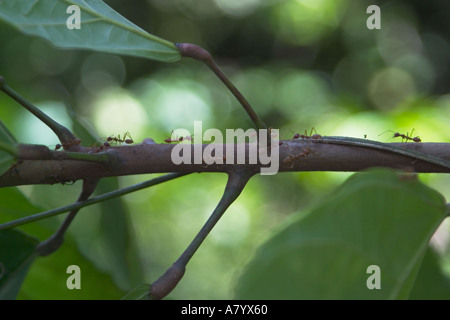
pixel 198 53
pixel 168 281
pixel 64 134
pixel 78 205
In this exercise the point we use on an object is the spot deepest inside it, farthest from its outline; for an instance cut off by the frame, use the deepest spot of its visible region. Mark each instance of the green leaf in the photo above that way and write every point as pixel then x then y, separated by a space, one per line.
pixel 17 252
pixel 14 205
pixel 7 148
pixel 101 28
pixel 5 135
pixel 374 218
pixel 47 278
pixel 431 283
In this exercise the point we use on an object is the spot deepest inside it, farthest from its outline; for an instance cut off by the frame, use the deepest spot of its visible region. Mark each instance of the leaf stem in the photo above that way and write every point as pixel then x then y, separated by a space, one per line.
pixel 198 53
pixel 64 134
pixel 11 149
pixel 78 205
pixel 382 146
pixel 41 152
pixel 94 157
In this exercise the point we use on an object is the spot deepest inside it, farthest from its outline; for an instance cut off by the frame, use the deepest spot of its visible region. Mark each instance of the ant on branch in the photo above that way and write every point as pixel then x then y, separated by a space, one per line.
pixel 405 137
pixel 292 157
pixel 112 139
pixel 68 145
pixel 306 136
pixel 180 139
pixel 170 140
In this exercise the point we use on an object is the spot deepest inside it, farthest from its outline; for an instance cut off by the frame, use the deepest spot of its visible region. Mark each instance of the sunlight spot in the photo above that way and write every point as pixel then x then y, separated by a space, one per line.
pixel 117 112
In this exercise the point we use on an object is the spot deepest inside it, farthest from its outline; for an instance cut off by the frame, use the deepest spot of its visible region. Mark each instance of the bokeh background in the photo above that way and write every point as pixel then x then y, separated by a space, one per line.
pixel 300 63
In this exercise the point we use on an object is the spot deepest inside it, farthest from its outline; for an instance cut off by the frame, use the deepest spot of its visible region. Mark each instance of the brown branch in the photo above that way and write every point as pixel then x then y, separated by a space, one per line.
pixel 148 157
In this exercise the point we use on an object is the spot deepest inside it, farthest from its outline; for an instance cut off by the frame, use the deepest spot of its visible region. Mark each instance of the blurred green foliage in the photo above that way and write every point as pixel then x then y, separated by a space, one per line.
pixel 375 218
pixel 301 63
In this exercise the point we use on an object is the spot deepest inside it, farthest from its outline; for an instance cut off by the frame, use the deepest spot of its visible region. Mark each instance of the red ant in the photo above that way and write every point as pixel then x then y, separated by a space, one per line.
pixel 126 139
pixel 291 158
pixel 96 148
pixel 169 140
pixel 180 139
pixel 306 136
pixel 68 145
pixel 405 136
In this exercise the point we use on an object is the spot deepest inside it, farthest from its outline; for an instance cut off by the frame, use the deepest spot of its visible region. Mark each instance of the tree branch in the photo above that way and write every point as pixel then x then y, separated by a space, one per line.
pixel 156 158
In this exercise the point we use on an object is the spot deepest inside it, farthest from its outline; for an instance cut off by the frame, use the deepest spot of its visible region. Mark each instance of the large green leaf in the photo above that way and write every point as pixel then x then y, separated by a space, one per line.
pixel 17 252
pixel 14 205
pixel 102 28
pixel 375 218
pixel 46 278
pixel 431 283
pixel 17 249
pixel 7 147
